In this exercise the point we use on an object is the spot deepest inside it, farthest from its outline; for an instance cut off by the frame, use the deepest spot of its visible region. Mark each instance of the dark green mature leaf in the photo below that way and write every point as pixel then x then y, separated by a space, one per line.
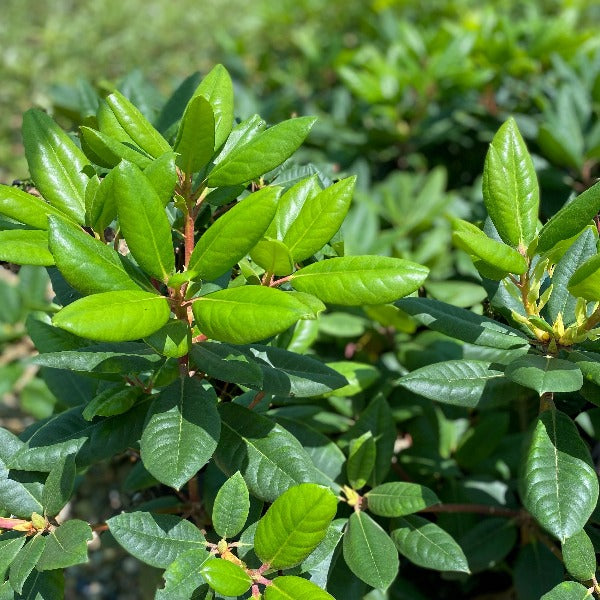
pixel 181 432
pixel 510 188
pixel 111 401
pixel 247 314
pixel 399 498
pixel 231 507
pixel 361 460
pixel 290 587
pixel 234 234
pixel 560 486
pixel 195 142
pixel 155 539
pixel 270 459
pixel 357 280
pixel 464 325
pixel 567 590
pixel 537 570
pixel 579 556
pixel 588 363
pixel 56 164
pixel 261 153
pixel 59 485
pixel 585 282
pixel 456 382
pixel 17 498
pixel 25 247
pixel 225 577
pixel 426 544
pixel 107 152
pixel 65 546
pixel 25 561
pixel 115 316
pixel 86 263
pixel 143 221
pixel 10 545
pixel 545 374
pixel 369 551
pixel 48 585
pixel 183 576
pixel 319 219
pixel 488 542
pixel 137 126
pixel 570 219
pixel 294 525
pixel 26 208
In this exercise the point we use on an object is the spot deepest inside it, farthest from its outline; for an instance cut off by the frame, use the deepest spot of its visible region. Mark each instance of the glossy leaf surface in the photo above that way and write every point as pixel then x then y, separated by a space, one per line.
pixel 288 587
pixel 225 577
pixel 399 498
pixel 545 374
pixel 196 136
pixel 231 507
pixel 26 208
pixel 25 247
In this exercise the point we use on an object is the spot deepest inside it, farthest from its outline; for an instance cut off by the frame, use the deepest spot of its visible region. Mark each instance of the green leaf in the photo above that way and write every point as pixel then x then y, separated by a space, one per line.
pixel 559 486
pixel 240 135
pixel 9 548
pixel 510 188
pixel 86 263
pixel 234 234
pixel 273 256
pixel 155 539
pixel 361 460
pixel 143 221
pixel 114 316
pixel 26 208
pixel 357 280
pixel 59 485
pixel 195 142
pixel 369 551
pixel 162 174
pixel 183 575
pixel 571 219
pixel 247 314
pixel 294 525
pixel 471 239
pixel 19 499
pixel 270 459
pixel 319 219
pixel 290 587
pixel 359 377
pixel 488 542
pixel 25 247
pixel 455 382
pixel 25 561
pixel 231 507
pixel 261 153
pixel 579 556
pixel 48 585
pixel 107 152
pixel 56 164
pixel 226 578
pixel 399 498
pixel 426 544
pixel 585 282
pixel 181 432
pixel 567 590
pixel 65 546
pixel 217 88
pixel 323 554
pixel 545 374
pixel 100 206
pixel 174 339
pixel 111 401
pixel 137 126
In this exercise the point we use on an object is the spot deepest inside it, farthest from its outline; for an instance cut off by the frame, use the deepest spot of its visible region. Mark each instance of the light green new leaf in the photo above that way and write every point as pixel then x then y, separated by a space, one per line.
pixel 234 234
pixel 114 316
pixel 585 282
pixel 25 247
pixel 426 544
pixel 456 382
pixel 290 587
pixel 59 485
pixel 294 525
pixel 247 314
pixel 173 339
pixel 361 460
pixel 195 142
pixel 183 576
pixel 572 218
pixel 181 432
pixel 225 577
pixel 143 221
pixel 65 546
pixel 9 548
pixel 86 263
pixel 217 88
pixel 510 188
pixel 240 135
pixel 56 164
pixel 545 374
pixel 559 483
pixel 568 590
pixel 357 280
pixel 471 239
pixel 319 219
pixel 369 551
pixel 359 377
pixel 399 498
pixel 579 556
pixel 273 256
pixel 107 152
pixel 155 539
pixel 162 174
pixel 231 507
pixel 137 127
pixel 261 153
pixel 26 208
pixel 25 561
